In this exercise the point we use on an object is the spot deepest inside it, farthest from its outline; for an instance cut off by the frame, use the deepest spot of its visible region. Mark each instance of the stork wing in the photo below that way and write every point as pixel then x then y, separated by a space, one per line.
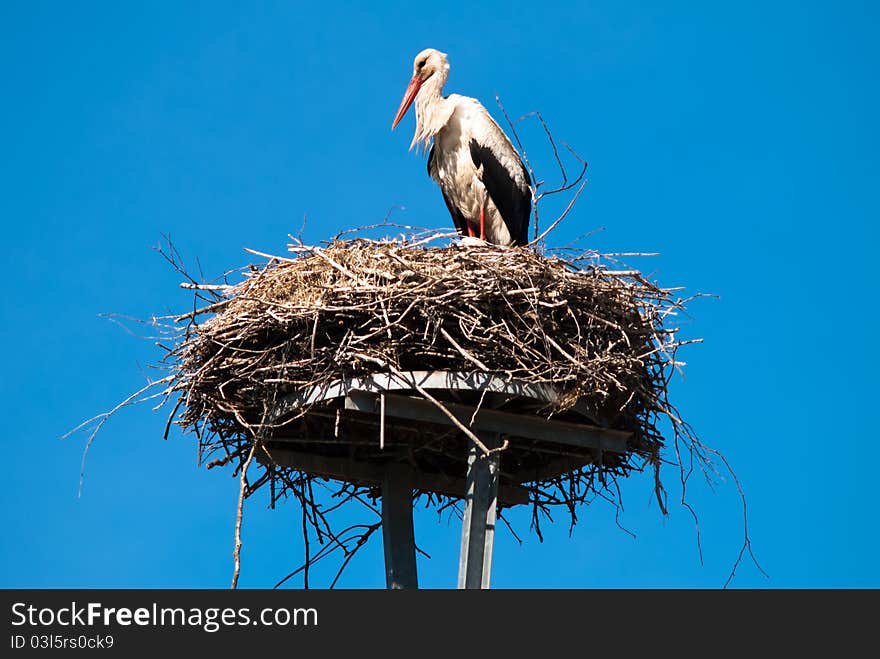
pixel 507 183
pixel 457 218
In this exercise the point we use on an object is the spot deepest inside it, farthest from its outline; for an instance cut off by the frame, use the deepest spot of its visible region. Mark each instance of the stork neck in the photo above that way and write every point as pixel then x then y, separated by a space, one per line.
pixel 431 111
pixel 431 91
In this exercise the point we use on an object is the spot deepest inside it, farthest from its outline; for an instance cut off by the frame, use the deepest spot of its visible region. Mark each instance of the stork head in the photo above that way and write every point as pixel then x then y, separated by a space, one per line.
pixel 428 63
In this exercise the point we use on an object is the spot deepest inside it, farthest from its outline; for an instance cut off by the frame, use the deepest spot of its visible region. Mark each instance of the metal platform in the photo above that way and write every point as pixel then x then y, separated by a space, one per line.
pixel 390 399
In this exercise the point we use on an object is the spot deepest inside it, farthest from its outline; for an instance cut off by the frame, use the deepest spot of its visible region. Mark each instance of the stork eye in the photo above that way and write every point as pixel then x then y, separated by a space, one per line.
pixel 422 64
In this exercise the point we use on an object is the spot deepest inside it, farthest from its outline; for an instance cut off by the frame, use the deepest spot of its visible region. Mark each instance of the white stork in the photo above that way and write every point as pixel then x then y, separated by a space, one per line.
pixel 485 185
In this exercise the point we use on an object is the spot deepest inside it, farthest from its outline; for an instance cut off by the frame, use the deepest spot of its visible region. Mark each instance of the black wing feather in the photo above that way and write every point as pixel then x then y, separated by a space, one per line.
pixel 457 218
pixel 512 201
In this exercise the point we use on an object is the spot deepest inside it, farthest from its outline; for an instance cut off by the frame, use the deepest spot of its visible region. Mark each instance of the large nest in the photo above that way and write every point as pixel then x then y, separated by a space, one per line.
pixel 354 308
pixel 273 369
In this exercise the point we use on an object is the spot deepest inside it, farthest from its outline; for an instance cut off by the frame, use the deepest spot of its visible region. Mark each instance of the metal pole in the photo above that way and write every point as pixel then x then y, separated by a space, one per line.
pixel 480 512
pixel 397 528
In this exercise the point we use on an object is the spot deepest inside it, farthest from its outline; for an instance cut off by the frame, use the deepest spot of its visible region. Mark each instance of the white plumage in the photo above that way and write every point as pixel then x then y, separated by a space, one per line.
pixel 483 180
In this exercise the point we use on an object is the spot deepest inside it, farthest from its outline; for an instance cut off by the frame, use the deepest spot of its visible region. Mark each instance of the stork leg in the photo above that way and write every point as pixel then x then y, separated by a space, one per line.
pixel 483 220
pixel 471 233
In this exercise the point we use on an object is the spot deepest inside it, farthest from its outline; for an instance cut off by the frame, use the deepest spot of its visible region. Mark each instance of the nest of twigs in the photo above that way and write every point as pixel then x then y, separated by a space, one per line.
pixel 255 369
pixel 352 308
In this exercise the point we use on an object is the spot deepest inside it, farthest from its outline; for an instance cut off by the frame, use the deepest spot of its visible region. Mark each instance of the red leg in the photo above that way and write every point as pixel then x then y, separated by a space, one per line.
pixel 483 220
pixel 471 233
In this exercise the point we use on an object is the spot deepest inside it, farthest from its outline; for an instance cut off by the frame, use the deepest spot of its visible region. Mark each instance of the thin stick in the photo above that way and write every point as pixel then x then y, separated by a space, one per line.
pixel 458 424
pixel 105 416
pixel 242 492
pixel 562 216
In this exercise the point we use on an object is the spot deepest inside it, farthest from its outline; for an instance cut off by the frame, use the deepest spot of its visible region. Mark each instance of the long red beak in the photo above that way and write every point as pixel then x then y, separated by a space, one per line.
pixel 408 97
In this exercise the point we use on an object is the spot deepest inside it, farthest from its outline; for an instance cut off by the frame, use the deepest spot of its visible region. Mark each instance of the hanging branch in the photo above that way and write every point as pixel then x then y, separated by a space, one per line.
pixel 242 493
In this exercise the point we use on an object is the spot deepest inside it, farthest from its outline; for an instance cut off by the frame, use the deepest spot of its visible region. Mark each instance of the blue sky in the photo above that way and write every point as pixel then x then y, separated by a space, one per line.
pixel 739 141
